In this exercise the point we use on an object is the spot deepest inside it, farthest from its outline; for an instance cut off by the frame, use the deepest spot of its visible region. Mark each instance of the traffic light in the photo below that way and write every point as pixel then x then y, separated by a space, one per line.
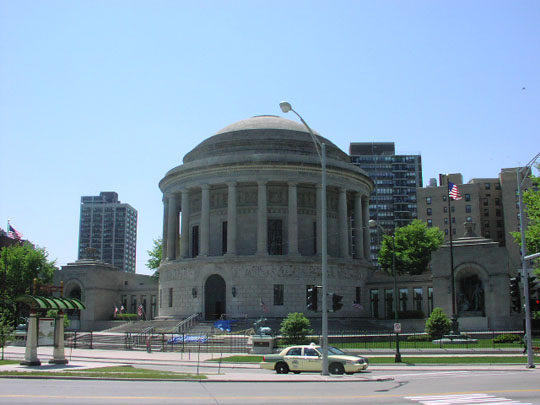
pixel 336 302
pixel 515 295
pixel 535 304
pixel 312 298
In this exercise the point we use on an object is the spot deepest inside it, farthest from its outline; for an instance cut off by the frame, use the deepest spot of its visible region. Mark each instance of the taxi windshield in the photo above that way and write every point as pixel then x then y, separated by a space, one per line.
pixel 333 350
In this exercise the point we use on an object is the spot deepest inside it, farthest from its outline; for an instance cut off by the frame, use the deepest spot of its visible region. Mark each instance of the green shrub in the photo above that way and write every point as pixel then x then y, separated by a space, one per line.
pixel 126 317
pixel 508 338
pixel 438 324
pixel 295 328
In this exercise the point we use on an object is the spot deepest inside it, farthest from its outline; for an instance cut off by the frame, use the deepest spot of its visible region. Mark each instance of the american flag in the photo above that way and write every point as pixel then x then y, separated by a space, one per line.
pixel 140 310
pixel 13 233
pixel 453 191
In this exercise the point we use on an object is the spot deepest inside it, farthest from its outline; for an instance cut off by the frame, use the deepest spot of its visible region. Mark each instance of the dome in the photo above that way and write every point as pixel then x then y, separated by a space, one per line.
pixel 263 134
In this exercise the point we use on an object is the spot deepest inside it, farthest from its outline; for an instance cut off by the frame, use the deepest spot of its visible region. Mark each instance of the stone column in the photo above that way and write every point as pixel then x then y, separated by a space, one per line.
pixel 59 356
pixel 205 220
pixel 172 219
pixel 343 225
pixel 358 227
pixel 184 238
pixel 165 227
pixel 30 353
pixel 293 220
pixel 318 205
pixel 231 219
pixel 367 237
pixel 262 219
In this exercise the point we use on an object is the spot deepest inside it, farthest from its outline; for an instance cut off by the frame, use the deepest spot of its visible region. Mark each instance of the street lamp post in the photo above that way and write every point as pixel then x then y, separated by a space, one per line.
pixel 372 224
pixel 286 107
pixel 521 176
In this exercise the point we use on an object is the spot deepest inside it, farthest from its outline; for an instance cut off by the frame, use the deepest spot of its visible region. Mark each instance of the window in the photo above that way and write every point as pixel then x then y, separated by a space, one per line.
pixel 275 237
pixel 485 202
pixel 499 223
pixel 195 241
pixel 224 237
pixel 446 231
pixel 429 211
pixel 486 212
pixel 374 303
pixel 123 303
pixel 308 351
pixel 428 200
pixel 497 201
pixel 444 197
pixel 487 186
pixel 430 300
pixel 453 209
pixel 453 220
pixel 468 219
pixel 468 208
pixel 487 234
pixel 445 209
pixel 153 309
pixel 170 297
pixel 403 299
pixel 497 212
pixel 417 299
pixel 308 287
pixel 357 295
pixel 161 298
pixel 446 220
pixel 467 197
pixel 278 294
pixel 429 223
pixel 389 303
pixel 453 231
pixel 486 223
pixel 295 351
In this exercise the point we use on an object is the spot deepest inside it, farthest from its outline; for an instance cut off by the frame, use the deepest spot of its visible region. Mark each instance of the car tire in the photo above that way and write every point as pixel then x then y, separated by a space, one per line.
pixel 282 368
pixel 336 368
pixel 296 372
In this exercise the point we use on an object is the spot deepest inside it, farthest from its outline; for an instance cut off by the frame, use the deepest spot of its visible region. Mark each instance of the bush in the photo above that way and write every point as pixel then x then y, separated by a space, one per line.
pixel 126 317
pixel 438 324
pixel 508 338
pixel 295 328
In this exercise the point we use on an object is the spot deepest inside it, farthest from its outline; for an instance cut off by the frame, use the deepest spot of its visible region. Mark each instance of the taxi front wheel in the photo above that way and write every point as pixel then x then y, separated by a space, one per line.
pixel 336 368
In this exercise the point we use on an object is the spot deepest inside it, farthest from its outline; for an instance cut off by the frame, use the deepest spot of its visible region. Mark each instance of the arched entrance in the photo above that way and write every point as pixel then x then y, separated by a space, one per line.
pixel 74 291
pixel 214 297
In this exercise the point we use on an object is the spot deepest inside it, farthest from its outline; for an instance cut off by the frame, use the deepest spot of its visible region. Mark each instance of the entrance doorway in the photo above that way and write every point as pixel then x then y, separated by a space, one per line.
pixel 214 297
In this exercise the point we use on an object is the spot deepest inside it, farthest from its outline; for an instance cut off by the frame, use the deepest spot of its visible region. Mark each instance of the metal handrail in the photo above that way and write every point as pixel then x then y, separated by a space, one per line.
pixel 189 322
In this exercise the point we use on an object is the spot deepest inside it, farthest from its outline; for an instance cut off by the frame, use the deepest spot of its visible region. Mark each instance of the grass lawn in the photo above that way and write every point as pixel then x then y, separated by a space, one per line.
pixel 413 360
pixel 127 372
pixel 9 362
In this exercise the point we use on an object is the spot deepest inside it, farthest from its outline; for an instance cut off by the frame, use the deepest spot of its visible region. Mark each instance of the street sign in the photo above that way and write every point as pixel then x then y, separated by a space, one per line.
pixel 397 328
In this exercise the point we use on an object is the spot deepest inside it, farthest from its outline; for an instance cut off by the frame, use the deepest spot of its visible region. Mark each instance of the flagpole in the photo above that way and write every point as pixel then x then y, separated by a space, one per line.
pixel 455 324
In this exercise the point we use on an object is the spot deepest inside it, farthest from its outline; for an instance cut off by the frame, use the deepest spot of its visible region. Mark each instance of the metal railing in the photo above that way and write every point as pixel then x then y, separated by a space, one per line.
pixel 188 323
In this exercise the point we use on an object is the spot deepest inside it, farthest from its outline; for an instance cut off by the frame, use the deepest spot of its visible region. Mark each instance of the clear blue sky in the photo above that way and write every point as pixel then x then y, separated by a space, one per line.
pixel 109 95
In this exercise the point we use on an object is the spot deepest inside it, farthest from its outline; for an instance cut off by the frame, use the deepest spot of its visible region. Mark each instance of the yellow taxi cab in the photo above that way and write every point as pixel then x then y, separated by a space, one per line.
pixel 309 358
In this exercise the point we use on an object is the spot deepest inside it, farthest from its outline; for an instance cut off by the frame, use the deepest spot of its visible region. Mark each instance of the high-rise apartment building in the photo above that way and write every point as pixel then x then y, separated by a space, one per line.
pixel 492 204
pixel 393 201
pixel 109 227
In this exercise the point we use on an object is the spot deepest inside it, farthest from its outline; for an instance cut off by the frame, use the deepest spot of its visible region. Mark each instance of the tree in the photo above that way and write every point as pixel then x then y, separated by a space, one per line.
pixel 414 244
pixel 20 265
pixel 295 328
pixel 438 324
pixel 154 259
pixel 531 202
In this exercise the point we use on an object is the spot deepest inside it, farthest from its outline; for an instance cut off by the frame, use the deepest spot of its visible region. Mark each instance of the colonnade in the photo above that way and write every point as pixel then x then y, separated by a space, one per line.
pixel 174 203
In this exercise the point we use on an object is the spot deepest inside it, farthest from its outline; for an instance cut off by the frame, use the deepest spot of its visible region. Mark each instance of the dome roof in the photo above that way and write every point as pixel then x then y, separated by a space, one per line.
pixel 263 134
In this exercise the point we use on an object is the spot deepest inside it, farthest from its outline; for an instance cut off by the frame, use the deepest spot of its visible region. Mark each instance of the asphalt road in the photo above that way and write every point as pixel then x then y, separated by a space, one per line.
pixel 385 387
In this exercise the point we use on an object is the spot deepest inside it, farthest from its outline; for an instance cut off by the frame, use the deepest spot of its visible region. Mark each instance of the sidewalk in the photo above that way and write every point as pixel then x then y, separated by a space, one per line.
pixel 81 359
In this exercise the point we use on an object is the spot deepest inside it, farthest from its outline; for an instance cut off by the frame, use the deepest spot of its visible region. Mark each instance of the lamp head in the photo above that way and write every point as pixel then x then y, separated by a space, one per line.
pixel 285 106
pixel 372 223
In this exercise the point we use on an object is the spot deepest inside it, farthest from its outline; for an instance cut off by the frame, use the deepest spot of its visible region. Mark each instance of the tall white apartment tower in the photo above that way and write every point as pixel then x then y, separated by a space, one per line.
pixel 109 227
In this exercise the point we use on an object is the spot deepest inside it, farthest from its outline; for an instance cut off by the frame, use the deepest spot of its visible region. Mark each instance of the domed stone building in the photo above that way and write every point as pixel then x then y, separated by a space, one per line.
pixel 242 224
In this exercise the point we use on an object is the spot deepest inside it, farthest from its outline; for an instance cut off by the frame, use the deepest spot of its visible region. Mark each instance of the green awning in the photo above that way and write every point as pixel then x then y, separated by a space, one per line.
pixel 57 303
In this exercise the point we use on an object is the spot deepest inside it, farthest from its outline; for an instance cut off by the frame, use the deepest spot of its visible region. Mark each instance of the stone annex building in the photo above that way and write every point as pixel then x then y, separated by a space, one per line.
pixel 242 223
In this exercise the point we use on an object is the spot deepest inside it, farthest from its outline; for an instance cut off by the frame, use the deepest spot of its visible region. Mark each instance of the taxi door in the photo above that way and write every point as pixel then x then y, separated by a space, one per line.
pixel 311 360
pixel 293 358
